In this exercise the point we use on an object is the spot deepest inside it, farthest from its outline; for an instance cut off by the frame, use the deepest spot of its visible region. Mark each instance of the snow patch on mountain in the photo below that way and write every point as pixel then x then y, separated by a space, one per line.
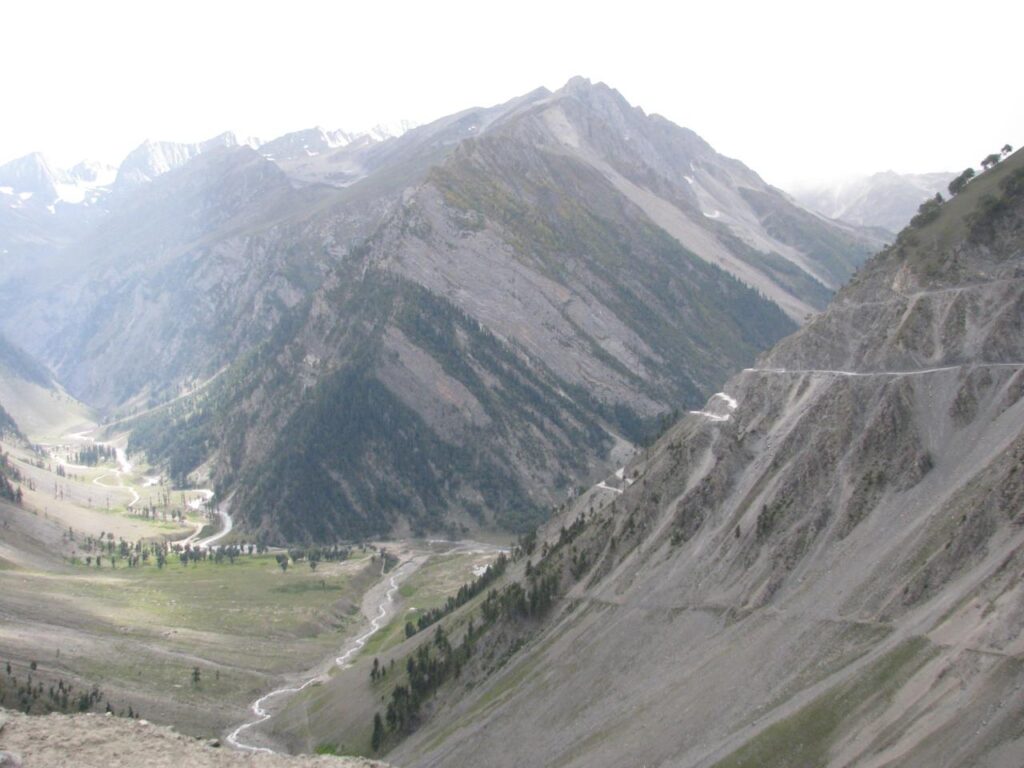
pixel 32 178
pixel 85 183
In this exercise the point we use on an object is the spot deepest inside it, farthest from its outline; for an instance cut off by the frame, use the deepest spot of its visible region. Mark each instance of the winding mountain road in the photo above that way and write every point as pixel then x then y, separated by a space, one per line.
pixel 911 372
pixel 123 467
pixel 226 522
pixel 731 404
pixel 728 401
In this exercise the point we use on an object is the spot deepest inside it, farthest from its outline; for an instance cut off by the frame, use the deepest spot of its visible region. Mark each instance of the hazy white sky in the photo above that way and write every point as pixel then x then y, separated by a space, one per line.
pixel 799 91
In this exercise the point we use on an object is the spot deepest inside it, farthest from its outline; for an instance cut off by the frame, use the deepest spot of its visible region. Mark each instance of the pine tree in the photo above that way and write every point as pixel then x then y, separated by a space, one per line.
pixel 378 732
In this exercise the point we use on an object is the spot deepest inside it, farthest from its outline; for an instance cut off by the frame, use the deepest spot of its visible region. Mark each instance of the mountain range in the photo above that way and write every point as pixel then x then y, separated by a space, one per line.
pixel 518 318
pixel 450 328
pixel 821 566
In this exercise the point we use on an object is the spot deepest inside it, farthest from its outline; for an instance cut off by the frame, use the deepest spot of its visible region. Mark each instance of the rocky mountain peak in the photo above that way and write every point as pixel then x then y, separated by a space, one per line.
pixel 600 100
pixel 715 206
pixel 153 158
pixel 308 142
pixel 30 177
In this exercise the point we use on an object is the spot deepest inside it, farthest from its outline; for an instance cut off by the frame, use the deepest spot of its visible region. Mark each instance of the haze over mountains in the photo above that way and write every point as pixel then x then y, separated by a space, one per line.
pixel 887 199
pixel 505 294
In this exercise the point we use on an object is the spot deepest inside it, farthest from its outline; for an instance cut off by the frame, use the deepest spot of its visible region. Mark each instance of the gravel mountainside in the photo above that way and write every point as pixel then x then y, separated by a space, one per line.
pixel 94 741
pixel 824 565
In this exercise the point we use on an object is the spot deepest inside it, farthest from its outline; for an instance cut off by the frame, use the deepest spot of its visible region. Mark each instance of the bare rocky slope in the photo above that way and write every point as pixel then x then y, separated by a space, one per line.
pixel 824 566
pixel 451 328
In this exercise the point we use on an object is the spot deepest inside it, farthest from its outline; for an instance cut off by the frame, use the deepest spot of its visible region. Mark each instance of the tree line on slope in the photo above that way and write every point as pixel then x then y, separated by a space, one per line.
pixel 9 475
pixel 493 631
pixel 929 209
pixel 36 693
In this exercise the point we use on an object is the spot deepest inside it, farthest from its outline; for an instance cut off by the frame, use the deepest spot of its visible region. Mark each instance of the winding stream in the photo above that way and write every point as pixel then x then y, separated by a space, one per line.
pixel 262 714
pixel 125 467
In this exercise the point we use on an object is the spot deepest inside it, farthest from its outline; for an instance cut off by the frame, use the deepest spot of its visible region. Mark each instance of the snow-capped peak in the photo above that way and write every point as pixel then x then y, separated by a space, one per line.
pixel 384 131
pixel 154 158
pixel 32 181
pixel 84 182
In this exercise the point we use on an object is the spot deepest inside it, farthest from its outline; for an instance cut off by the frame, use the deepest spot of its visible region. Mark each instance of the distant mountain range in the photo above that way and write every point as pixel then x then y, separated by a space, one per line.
pixel 887 200
pixel 452 327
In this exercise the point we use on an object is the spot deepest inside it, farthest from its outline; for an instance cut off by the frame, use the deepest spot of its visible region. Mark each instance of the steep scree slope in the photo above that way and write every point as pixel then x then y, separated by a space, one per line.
pixel 829 573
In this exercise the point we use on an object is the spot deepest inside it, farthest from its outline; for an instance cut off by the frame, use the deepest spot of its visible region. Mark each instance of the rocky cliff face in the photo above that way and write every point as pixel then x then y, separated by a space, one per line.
pixel 155 158
pixel 514 304
pixel 824 565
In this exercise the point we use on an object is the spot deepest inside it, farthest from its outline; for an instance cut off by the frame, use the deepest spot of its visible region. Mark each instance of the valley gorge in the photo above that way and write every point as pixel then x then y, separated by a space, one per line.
pixel 539 434
pixel 506 299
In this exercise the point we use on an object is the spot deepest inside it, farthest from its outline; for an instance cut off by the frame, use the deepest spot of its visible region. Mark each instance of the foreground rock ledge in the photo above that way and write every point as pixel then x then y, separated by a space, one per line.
pixel 96 741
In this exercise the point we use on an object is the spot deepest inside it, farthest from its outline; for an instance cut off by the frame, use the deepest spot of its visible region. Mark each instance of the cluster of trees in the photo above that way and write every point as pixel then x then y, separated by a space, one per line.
pixel 103 549
pixel 7 425
pixel 928 211
pixel 982 221
pixel 189 554
pixel 427 669
pixel 993 160
pixel 506 616
pixel 516 602
pixel 9 475
pixel 438 660
pixel 152 512
pixel 378 671
pixel 33 696
pixel 335 554
pixel 104 545
pixel 957 185
pixel 390 560
pixel 525 545
pixel 93 455
pixel 180 435
pixel 313 556
pixel 466 593
pixel 135 554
